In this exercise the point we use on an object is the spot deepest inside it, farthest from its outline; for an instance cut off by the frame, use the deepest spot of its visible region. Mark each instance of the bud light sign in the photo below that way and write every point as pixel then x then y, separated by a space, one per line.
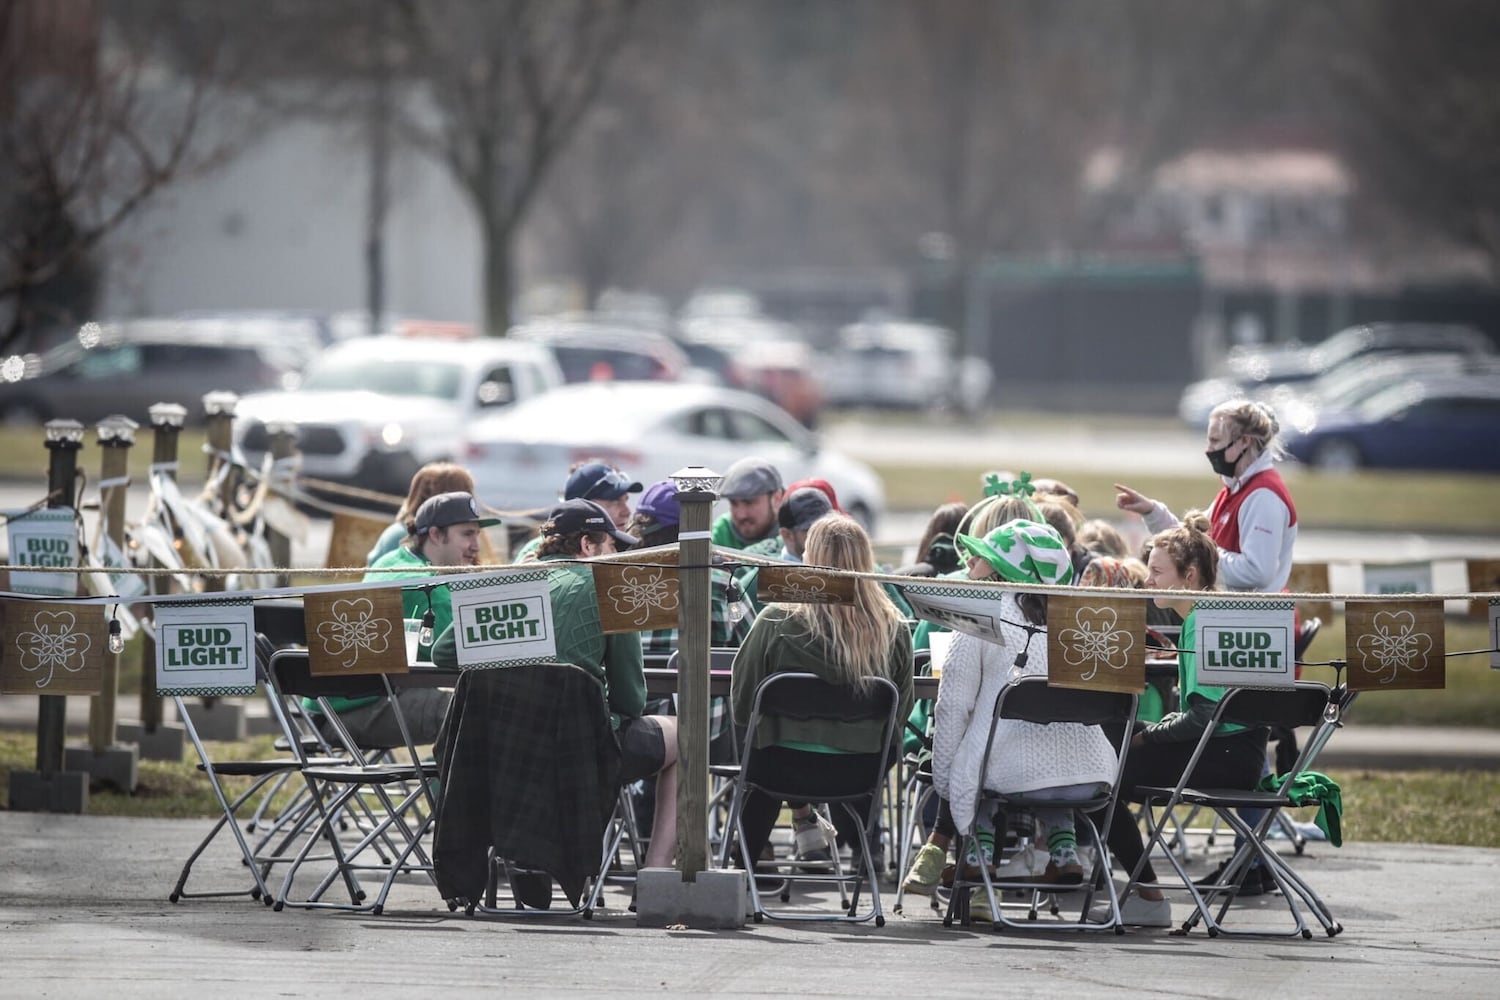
pixel 1245 646
pixel 205 649
pixel 503 624
pixel 46 539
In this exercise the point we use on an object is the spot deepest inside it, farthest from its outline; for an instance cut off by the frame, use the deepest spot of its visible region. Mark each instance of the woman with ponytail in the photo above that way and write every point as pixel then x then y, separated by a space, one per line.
pixel 1253 521
pixel 1182 558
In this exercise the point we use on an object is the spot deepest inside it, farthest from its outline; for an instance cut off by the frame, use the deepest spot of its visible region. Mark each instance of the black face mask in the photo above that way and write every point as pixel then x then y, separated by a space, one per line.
pixel 1220 464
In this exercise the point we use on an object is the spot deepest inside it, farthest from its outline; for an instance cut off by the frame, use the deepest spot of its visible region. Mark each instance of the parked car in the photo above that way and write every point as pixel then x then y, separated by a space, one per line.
pixel 1447 423
pixel 770 356
pixel 1346 386
pixel 372 411
pixel 520 458
pixel 904 364
pixel 127 366
pixel 590 349
pixel 1250 372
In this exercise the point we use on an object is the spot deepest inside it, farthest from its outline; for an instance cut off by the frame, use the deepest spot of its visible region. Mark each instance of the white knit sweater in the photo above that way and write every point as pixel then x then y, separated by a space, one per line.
pixel 1026 756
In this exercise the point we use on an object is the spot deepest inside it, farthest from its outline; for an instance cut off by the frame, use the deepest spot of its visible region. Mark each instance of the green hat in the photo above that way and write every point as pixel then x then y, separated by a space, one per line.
pixel 1023 552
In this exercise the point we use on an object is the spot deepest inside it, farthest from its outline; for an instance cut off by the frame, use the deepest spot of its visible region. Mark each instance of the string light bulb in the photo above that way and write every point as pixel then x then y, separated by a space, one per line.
pixel 734 596
pixel 116 638
pixel 426 634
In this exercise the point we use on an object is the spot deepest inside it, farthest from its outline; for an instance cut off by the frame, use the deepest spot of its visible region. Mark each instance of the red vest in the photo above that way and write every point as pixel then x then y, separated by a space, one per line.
pixel 1224 516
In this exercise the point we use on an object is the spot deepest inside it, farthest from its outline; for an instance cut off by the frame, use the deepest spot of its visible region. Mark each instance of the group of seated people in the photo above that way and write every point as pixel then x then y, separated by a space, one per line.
pixel 1021 531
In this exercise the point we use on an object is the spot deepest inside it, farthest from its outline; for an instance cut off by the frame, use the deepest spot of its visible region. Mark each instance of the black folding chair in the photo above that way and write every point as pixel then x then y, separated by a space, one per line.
pixel 808 697
pixel 402 790
pixel 1306 704
pixel 529 792
pixel 1032 699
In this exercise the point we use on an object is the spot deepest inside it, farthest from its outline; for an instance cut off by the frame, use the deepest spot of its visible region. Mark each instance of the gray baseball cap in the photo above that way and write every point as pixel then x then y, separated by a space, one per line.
pixel 750 477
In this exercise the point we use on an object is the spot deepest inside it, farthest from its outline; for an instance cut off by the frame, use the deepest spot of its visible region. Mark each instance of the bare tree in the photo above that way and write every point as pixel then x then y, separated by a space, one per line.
pixel 92 127
pixel 510 81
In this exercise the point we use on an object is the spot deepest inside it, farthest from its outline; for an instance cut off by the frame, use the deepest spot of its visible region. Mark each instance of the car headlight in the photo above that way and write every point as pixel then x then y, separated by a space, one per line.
pixel 391 434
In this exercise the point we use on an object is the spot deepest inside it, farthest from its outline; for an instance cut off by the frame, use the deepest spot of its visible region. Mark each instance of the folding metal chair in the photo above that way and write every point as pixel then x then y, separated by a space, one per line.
pixel 401 790
pixel 1308 703
pixel 808 697
pixel 266 777
pixel 1031 699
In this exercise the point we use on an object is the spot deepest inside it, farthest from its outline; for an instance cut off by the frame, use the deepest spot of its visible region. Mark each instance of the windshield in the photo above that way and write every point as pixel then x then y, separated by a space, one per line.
pixel 406 377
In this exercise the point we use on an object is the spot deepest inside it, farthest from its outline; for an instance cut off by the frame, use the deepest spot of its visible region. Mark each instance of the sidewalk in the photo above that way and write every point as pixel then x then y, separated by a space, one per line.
pixel 84 909
pixel 1378 748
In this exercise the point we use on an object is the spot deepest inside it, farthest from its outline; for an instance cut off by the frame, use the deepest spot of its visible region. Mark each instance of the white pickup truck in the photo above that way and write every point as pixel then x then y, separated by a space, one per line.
pixel 371 411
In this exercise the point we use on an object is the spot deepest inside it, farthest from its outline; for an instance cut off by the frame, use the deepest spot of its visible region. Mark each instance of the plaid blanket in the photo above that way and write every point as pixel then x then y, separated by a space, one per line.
pixel 530 766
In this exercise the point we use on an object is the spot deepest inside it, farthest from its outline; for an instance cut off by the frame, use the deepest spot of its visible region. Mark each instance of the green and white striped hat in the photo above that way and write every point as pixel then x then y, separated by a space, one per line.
pixel 1023 552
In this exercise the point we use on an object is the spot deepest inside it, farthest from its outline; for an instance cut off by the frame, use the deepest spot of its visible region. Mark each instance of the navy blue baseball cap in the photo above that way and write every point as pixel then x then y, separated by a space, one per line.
pixel 597 481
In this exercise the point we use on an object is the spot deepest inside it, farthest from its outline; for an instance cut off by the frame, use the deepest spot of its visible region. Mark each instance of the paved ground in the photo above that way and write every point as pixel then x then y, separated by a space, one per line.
pixel 83 913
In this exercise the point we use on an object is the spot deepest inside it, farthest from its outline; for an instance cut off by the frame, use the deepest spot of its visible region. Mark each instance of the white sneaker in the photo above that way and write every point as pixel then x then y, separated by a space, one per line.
pixel 812 849
pixel 1135 912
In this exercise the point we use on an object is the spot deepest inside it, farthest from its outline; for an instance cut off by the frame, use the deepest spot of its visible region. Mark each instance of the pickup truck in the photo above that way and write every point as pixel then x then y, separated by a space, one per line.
pixel 371 411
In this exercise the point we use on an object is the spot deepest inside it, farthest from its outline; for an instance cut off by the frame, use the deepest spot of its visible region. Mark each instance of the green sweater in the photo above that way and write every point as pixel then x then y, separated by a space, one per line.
pixel 725 536
pixel 613 660
pixel 776 643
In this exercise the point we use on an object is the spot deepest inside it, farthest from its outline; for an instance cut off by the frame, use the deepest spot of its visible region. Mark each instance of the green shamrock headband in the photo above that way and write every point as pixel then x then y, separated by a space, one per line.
pixel 1021 489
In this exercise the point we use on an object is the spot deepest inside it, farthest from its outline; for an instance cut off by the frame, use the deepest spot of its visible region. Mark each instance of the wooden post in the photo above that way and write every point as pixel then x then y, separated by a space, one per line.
pixel 696 492
pixel 116 435
pixel 219 406
pixel 64 438
pixel 166 424
pixel 283 436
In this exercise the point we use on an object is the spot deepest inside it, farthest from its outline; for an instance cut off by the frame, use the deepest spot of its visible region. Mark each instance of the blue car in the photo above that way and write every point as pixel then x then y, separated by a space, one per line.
pixel 1445 423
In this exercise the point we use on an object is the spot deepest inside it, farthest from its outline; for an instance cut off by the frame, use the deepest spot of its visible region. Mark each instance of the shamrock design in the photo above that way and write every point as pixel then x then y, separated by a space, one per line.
pixel 353 627
pixel 804 588
pixel 1016 487
pixel 1096 640
pixel 640 591
pixel 1394 645
pixel 54 641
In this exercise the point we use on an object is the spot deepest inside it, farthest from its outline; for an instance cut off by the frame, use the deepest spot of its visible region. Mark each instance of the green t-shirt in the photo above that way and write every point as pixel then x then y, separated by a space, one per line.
pixel 1187 674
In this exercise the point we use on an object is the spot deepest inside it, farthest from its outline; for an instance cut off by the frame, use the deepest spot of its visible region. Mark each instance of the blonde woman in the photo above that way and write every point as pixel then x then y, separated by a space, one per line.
pixel 1253 521
pixel 845 644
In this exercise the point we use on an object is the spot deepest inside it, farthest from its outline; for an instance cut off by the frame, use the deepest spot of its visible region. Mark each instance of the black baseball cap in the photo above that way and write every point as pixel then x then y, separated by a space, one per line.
pixel 802 507
pixel 448 509
pixel 597 481
pixel 572 517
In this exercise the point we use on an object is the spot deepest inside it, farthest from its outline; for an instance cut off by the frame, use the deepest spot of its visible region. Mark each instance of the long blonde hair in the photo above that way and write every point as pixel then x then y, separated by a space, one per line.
pixel 858 636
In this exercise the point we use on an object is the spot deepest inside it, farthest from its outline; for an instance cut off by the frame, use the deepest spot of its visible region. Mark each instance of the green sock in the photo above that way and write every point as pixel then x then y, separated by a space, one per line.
pixel 1062 840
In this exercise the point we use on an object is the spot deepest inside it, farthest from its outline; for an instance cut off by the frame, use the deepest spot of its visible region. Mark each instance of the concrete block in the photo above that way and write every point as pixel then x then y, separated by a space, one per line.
pixel 60 792
pixel 223 720
pixel 166 742
pixel 716 900
pixel 261 724
pixel 115 766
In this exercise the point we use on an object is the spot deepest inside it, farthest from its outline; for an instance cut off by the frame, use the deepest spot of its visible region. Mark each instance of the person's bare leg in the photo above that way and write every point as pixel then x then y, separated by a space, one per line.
pixel 664 825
